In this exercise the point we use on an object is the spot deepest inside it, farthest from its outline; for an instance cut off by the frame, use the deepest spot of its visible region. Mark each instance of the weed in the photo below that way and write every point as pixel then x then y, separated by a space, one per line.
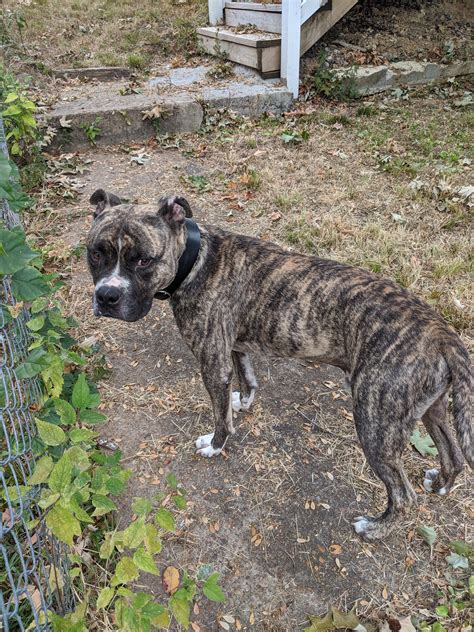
pixel 366 110
pixel 199 183
pixel 136 60
pixel 220 70
pixel 338 119
pixel 331 85
pixel 293 137
pixel 253 180
pixel 92 130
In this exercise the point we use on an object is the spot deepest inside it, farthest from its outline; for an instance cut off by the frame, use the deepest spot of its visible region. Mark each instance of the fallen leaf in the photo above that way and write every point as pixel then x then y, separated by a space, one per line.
pixel 320 624
pixel 170 579
pixel 428 534
pixel 385 593
pixel 335 549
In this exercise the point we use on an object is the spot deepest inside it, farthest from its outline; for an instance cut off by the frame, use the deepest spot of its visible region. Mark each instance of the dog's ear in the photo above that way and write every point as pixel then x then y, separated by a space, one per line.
pixel 174 209
pixel 102 199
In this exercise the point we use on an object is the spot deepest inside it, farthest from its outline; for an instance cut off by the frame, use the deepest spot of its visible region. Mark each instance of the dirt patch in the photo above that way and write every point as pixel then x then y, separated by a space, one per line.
pixel 273 515
pixel 376 32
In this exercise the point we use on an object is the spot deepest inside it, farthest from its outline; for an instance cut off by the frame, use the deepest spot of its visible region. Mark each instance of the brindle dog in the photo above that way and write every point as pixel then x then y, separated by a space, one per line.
pixel 238 295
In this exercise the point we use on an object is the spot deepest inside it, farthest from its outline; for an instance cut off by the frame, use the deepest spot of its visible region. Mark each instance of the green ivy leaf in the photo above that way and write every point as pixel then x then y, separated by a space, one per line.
pixel 141 506
pixel 212 590
pixel 134 534
pixel 115 486
pixel 180 607
pixel 126 571
pixel 49 433
pixel 471 585
pixel 179 501
pixel 47 499
pixel 92 417
pixel 36 361
pixel 42 470
pixel 81 392
pixel 442 611
pixel 423 444
pixel 63 524
pixel 152 540
pixel 35 324
pixel 145 561
pixel 165 519
pixel 103 505
pixel 79 458
pixel 15 254
pixel 61 474
pixel 105 597
pixel 76 435
pixel 66 412
pixel 28 283
pixel 80 513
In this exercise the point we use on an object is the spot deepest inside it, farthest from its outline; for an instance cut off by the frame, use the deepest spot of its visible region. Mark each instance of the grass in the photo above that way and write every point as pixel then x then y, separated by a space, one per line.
pixel 82 33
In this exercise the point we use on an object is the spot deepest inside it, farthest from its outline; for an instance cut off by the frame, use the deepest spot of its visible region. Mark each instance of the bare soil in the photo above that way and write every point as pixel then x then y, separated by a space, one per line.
pixel 273 515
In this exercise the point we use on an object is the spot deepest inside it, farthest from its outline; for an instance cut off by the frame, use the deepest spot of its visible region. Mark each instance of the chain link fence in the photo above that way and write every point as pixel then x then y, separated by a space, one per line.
pixel 33 565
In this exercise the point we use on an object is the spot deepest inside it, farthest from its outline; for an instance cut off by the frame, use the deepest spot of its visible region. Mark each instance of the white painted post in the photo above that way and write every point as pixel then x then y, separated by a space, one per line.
pixel 290 44
pixel 216 11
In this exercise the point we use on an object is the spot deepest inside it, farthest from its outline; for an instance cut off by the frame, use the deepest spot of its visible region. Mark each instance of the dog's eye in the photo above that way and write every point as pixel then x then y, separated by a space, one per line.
pixel 95 255
pixel 143 263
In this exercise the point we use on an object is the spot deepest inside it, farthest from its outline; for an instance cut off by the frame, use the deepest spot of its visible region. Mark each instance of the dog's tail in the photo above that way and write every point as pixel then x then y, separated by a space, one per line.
pixel 459 364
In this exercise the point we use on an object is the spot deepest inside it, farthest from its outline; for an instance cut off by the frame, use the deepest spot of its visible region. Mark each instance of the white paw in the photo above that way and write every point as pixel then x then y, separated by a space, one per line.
pixel 430 476
pixel 247 401
pixel 209 451
pixel 236 405
pixel 360 524
pixel 442 492
pixel 204 441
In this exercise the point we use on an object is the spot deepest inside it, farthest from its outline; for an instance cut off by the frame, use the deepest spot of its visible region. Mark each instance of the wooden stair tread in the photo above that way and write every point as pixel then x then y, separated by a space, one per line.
pixel 259 39
pixel 254 6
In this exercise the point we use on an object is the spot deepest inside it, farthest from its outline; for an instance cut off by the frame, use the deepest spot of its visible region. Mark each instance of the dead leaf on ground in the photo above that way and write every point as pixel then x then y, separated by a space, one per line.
pixel 170 579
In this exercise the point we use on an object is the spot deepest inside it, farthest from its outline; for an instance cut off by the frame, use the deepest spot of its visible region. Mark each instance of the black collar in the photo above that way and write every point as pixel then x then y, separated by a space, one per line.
pixel 186 261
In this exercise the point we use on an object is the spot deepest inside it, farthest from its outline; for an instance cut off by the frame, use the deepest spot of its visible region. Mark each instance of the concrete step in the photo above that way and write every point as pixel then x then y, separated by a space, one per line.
pixel 175 101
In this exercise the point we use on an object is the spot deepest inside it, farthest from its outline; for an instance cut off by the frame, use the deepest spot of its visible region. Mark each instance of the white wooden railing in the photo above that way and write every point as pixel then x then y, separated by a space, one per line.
pixel 294 14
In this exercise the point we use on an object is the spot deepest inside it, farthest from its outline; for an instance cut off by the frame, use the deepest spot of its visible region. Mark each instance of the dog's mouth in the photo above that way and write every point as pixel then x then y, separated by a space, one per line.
pixel 129 312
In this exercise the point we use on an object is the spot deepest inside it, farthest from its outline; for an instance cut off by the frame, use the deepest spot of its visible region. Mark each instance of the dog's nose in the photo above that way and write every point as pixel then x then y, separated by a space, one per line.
pixel 108 296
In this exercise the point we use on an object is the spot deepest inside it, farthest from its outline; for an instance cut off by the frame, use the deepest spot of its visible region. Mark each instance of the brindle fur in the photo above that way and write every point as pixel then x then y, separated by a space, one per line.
pixel 245 295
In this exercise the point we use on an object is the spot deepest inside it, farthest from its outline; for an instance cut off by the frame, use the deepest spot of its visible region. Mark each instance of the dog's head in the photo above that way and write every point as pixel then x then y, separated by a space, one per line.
pixel 133 252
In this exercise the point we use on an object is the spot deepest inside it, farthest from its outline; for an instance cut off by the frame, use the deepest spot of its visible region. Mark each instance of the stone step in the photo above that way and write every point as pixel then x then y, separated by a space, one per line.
pixel 175 101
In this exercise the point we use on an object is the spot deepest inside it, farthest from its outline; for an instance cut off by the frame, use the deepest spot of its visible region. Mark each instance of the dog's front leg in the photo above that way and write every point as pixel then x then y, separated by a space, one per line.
pixel 217 378
pixel 243 400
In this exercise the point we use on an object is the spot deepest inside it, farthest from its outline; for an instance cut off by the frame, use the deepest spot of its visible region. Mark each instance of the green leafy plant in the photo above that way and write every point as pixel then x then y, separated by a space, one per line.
pixel 334 86
pixel 92 130
pixel 18 115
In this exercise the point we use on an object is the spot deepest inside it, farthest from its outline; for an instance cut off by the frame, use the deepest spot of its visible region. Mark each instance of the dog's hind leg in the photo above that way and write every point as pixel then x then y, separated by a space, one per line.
pixel 217 378
pixel 383 443
pixel 243 400
pixel 450 456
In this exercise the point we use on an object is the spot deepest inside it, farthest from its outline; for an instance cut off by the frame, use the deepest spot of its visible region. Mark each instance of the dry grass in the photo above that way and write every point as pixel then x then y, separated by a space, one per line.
pixel 83 33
